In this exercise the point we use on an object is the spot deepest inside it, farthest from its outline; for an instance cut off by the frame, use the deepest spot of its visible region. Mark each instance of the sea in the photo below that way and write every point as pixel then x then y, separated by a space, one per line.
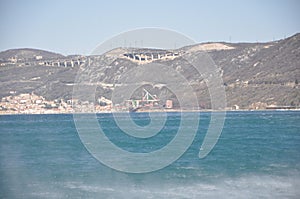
pixel 256 156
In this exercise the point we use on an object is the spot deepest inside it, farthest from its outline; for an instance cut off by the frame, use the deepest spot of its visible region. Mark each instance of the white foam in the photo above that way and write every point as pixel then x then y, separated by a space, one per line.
pixel 250 186
pixel 241 187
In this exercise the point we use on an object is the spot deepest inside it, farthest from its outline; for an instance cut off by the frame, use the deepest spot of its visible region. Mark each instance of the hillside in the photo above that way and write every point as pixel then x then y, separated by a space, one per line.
pixel 27 54
pixel 255 74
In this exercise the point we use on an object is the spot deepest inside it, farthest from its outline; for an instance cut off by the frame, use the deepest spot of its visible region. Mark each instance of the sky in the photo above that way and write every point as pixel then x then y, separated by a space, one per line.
pixel 78 27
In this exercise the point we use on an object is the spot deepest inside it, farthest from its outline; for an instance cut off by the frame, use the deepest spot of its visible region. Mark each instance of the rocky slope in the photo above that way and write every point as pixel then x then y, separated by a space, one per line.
pixel 254 74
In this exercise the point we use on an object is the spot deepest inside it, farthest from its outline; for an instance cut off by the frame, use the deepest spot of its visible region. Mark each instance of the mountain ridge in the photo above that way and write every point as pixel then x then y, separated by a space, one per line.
pixel 255 75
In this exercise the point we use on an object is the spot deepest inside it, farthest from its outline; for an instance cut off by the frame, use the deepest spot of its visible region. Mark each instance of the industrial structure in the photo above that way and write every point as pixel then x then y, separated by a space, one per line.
pixel 148 101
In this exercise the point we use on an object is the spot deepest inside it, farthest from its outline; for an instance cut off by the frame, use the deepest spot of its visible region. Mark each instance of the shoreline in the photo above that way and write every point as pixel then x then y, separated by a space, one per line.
pixel 157 111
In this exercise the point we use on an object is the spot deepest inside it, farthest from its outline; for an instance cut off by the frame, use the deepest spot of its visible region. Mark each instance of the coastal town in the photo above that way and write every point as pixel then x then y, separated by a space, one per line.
pixel 30 103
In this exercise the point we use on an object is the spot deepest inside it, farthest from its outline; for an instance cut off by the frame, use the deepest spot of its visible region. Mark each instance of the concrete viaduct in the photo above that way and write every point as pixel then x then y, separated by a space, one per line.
pixel 149 56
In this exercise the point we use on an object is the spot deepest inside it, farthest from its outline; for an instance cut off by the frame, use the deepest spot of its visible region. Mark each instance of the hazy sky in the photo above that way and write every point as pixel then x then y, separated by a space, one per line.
pixel 77 27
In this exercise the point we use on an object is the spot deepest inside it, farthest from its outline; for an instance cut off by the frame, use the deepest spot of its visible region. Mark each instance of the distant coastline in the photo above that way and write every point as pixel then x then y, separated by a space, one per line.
pixel 154 111
pixel 29 103
pixel 256 76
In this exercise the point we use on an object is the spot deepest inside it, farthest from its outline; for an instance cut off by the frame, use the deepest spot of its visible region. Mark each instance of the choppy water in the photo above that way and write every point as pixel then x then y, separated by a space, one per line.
pixel 257 156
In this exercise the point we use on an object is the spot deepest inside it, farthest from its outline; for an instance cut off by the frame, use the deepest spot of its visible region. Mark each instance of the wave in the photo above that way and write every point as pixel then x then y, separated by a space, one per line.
pixel 251 186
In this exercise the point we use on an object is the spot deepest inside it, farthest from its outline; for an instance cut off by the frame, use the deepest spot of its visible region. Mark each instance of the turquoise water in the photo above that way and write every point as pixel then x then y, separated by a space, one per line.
pixel 257 156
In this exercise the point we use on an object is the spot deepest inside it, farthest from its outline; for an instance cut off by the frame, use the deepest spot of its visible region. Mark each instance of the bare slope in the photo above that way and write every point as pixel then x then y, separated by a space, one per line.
pixel 253 73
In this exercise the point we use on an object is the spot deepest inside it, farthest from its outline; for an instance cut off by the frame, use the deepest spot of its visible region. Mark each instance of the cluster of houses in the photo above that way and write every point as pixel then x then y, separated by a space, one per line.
pixel 30 103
